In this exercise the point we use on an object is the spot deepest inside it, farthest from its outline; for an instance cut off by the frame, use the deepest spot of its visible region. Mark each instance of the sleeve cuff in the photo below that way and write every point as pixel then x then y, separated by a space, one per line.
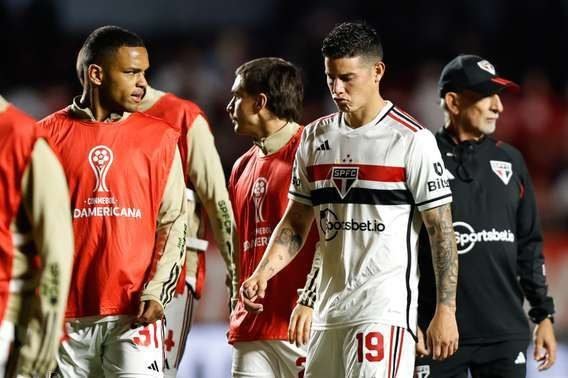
pixel 301 198
pixel 435 202
pixel 147 297
pixel 306 298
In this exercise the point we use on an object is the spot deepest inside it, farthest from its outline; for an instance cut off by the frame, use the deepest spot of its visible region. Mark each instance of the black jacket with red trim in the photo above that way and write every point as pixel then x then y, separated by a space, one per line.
pixel 499 243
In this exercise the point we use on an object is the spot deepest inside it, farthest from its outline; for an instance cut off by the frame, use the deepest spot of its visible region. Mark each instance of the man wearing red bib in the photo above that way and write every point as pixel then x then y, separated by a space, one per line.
pixel 36 247
pixel 265 105
pixel 129 213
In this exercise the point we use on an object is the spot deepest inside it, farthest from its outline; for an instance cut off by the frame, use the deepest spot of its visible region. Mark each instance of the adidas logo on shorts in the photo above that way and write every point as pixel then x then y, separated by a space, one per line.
pixel 154 366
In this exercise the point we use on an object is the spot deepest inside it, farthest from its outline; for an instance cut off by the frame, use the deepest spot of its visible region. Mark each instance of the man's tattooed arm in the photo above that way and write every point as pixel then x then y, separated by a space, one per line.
pixel 287 239
pixel 438 222
pixel 290 240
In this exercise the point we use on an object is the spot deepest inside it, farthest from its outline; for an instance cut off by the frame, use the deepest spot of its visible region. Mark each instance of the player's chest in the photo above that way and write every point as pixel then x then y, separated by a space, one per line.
pixel 371 148
pixel 98 160
pixel 264 179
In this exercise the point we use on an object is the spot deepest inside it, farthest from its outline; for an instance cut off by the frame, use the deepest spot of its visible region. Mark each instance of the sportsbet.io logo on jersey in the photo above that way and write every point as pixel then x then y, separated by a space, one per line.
pixel 100 159
pixel 467 237
pixel 330 225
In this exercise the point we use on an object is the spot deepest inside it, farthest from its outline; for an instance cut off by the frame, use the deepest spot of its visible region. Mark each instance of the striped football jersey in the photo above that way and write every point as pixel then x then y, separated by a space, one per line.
pixel 366 186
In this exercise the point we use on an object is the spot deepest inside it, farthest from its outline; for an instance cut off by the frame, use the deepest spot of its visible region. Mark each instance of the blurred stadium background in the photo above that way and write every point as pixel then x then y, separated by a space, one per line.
pixel 195 47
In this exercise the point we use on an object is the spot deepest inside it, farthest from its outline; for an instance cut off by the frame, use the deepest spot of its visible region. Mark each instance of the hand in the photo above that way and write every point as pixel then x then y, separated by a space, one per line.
pixel 544 345
pixel 442 335
pixel 300 326
pixel 148 312
pixel 251 290
pixel 421 346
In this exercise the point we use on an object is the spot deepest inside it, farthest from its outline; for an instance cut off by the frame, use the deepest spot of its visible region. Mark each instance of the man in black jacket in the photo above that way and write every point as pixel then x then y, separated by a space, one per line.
pixel 497 232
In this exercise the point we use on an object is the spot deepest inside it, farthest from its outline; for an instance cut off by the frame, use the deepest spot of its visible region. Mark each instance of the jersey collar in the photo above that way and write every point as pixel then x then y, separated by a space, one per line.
pixel 276 141
pixel 85 113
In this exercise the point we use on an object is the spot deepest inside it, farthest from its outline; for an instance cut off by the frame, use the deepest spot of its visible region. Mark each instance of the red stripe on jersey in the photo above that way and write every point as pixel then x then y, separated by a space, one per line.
pixel 323 118
pixel 366 172
pixel 410 118
pixel 399 352
pixel 402 122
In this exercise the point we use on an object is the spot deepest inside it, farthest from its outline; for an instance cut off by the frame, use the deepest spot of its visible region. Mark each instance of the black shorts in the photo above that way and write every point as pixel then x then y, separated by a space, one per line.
pixel 507 359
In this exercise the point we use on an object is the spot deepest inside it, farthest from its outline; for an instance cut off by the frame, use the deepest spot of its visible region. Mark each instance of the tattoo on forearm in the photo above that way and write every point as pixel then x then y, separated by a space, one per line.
pixel 289 239
pixel 444 255
pixel 264 265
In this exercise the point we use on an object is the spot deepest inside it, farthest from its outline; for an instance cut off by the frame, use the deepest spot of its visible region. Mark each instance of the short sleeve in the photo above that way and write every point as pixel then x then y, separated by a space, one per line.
pixel 427 177
pixel 300 190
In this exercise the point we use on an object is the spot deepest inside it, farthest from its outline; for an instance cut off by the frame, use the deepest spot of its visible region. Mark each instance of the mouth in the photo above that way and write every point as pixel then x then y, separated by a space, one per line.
pixel 340 100
pixel 137 96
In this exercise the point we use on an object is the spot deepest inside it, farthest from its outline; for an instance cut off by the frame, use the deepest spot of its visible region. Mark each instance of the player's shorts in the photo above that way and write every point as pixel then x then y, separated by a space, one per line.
pixel 371 350
pixel 179 314
pixel 506 359
pixel 108 347
pixel 268 359
pixel 7 338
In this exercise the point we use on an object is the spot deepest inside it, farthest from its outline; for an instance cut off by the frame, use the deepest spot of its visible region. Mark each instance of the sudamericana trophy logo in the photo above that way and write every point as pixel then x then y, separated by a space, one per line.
pixel 102 204
pixel 100 158
pixel 258 194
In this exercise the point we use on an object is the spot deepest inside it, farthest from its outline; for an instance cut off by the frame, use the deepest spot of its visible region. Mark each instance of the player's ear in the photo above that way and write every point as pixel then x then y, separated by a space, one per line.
pixel 260 102
pixel 379 71
pixel 95 74
pixel 453 101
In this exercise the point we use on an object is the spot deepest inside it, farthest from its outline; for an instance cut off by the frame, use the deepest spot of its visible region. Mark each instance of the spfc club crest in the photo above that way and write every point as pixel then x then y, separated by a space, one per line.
pixel 503 170
pixel 343 179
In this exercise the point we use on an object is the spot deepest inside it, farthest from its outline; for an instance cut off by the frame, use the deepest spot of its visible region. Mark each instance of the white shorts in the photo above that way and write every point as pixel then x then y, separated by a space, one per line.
pixel 108 347
pixel 268 359
pixel 7 338
pixel 178 324
pixel 369 350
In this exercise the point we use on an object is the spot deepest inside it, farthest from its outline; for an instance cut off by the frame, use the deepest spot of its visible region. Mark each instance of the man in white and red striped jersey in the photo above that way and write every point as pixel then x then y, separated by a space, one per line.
pixel 370 175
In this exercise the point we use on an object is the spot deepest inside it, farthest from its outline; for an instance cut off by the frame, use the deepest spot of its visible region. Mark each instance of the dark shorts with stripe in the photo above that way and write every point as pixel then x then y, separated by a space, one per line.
pixel 507 359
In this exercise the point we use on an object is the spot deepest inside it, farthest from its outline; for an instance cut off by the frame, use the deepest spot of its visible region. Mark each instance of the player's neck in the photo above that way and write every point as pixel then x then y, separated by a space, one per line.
pixel 270 127
pixel 365 114
pixel 92 99
pixel 459 134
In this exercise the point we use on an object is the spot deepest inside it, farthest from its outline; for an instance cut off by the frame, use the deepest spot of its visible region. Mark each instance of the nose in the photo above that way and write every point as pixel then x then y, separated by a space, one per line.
pixel 496 104
pixel 230 105
pixel 336 86
pixel 142 82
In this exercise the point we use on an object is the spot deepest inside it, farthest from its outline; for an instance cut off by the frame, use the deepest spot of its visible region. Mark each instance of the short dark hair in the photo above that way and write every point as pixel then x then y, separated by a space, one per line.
pixel 279 80
pixel 103 42
pixel 351 39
